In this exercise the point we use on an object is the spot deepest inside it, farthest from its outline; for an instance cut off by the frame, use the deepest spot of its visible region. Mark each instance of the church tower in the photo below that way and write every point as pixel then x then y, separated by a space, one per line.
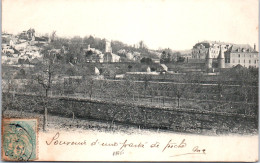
pixel 108 47
pixel 221 58
pixel 209 59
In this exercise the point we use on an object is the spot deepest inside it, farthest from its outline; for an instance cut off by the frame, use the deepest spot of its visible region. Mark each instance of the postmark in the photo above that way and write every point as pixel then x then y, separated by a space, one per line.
pixel 19 139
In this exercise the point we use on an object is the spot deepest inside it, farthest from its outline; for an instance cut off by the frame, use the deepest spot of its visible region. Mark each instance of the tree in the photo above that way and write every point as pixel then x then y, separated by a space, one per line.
pixel 168 56
pixel 180 88
pixel 88 87
pixel 174 56
pixel 165 57
pixel 7 86
pixel 45 80
pixel 180 59
pixel 146 60
pixel 118 45
pixel 147 79
pixel 127 86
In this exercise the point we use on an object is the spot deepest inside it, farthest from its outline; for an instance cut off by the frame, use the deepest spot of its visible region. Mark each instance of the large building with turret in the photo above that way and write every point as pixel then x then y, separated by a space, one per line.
pixel 224 55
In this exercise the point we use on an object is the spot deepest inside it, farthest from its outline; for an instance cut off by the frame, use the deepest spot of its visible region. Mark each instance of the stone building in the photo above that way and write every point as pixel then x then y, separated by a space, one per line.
pixel 224 55
pixel 244 55
pixel 109 56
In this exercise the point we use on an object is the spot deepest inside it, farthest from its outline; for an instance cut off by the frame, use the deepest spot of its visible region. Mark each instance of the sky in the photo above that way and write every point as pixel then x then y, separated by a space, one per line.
pixel 175 24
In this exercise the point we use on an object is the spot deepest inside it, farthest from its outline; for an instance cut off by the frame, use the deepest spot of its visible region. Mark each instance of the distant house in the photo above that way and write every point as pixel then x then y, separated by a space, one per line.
pixel 242 54
pixel 32 54
pixel 121 51
pixel 6 49
pixel 93 55
pixel 111 57
pixel 136 56
pixel 129 56
pixel 21 46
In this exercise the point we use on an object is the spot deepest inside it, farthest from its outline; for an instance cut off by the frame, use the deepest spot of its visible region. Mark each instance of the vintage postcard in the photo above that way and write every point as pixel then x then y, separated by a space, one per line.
pixel 132 80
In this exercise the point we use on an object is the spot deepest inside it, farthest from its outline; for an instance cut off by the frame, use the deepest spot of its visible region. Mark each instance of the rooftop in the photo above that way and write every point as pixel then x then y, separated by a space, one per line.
pixel 241 48
pixel 207 44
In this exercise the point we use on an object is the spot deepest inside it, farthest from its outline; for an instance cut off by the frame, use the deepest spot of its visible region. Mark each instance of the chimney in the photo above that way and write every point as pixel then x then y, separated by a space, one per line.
pixel 254 47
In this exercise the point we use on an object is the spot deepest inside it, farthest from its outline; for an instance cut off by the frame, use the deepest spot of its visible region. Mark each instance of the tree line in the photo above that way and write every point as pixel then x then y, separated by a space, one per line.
pixel 168 56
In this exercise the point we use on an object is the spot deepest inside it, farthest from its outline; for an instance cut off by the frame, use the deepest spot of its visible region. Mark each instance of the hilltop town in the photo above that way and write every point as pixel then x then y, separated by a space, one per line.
pixel 26 47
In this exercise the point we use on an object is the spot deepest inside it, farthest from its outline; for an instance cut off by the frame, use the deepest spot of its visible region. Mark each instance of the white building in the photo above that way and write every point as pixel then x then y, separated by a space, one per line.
pixel 109 56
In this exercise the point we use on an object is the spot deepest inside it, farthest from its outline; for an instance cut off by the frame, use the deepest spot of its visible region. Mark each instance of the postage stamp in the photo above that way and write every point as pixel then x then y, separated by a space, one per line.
pixel 19 139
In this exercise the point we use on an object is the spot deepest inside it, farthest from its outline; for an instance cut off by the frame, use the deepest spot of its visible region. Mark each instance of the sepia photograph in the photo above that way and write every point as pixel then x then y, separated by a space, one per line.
pixel 132 80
